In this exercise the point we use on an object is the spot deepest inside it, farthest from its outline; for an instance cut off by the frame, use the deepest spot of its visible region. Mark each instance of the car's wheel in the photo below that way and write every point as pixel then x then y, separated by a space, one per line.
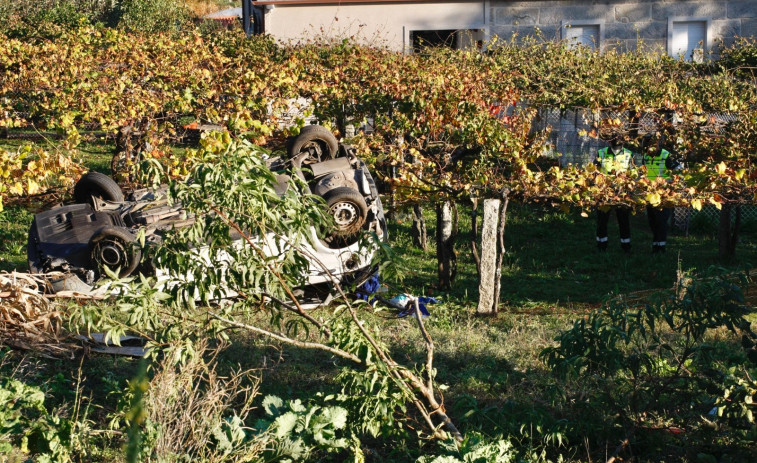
pixel 114 248
pixel 95 184
pixel 317 141
pixel 348 208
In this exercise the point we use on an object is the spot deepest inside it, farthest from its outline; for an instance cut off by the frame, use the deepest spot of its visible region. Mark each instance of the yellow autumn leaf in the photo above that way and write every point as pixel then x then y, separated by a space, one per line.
pixel 739 174
pixel 721 168
pixel 32 187
pixel 714 201
pixel 696 204
pixel 16 189
pixel 654 199
pixel 584 214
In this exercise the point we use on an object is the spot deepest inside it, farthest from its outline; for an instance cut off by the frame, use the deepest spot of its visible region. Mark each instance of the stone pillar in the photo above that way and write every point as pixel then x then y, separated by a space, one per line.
pixel 488 275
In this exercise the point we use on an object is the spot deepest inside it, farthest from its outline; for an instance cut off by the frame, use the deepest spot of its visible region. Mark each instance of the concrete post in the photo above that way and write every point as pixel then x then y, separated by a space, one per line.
pixel 488 275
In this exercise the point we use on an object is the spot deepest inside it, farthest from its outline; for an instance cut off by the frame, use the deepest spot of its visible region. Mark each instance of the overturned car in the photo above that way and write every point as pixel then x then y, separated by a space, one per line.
pixel 79 241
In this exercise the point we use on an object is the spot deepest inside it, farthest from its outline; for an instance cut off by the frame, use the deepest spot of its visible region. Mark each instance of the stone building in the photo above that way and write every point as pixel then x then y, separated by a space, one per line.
pixel 675 27
pixel 678 27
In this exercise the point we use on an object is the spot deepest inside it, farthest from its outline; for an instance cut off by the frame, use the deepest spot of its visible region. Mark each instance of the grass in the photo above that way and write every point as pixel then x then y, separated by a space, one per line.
pixel 496 382
pixel 552 261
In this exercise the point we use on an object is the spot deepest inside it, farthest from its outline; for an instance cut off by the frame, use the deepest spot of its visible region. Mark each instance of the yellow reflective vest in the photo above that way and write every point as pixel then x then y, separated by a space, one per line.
pixel 656 165
pixel 609 161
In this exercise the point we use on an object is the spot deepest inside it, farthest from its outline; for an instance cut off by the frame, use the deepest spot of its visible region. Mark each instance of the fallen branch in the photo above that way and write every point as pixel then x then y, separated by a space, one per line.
pixel 287 339
pixel 28 319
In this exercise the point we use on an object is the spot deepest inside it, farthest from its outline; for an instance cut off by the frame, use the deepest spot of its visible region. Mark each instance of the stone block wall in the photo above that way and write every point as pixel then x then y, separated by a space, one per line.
pixel 625 23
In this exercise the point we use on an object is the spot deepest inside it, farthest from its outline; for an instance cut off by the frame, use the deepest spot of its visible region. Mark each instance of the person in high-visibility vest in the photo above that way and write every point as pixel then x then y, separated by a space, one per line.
pixel 659 164
pixel 611 160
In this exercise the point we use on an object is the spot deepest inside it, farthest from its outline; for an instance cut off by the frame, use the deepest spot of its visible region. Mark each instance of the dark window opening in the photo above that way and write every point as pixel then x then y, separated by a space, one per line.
pixel 431 39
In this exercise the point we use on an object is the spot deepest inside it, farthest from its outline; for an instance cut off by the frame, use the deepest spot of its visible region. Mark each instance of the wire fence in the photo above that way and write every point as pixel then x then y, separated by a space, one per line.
pixel 570 147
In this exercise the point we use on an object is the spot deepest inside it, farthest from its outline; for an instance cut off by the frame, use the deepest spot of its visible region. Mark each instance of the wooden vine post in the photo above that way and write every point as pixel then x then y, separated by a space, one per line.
pixel 446 233
pixel 418 230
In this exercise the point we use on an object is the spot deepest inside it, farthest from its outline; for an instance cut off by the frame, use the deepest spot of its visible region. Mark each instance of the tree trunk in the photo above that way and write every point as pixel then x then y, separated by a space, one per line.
pixel 418 232
pixel 389 214
pixel 474 232
pixel 735 231
pixel 446 232
pixel 124 154
pixel 500 248
pixel 487 280
pixel 728 234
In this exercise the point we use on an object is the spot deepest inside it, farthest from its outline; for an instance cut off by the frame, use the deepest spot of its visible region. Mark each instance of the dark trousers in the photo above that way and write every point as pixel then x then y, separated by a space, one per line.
pixel 624 223
pixel 658 222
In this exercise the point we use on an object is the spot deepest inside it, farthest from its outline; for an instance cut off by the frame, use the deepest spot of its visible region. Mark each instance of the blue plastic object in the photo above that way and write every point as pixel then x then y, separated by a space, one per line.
pixel 422 302
pixel 368 288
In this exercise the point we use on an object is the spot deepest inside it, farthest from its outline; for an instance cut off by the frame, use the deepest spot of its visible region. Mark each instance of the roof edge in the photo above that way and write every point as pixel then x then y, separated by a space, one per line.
pixel 348 2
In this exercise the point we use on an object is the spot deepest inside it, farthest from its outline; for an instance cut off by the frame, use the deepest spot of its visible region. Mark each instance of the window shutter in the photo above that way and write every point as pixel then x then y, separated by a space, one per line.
pixel 689 38
pixel 586 35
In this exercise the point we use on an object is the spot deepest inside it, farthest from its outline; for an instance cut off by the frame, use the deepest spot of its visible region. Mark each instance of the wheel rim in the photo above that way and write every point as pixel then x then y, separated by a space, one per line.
pixel 315 150
pixel 345 214
pixel 111 253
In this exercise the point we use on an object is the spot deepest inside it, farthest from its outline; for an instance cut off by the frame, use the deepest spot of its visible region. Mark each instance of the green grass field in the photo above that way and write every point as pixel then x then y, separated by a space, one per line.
pixel 497 385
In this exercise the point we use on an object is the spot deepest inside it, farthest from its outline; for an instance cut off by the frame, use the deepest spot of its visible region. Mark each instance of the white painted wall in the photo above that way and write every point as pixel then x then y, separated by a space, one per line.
pixel 380 25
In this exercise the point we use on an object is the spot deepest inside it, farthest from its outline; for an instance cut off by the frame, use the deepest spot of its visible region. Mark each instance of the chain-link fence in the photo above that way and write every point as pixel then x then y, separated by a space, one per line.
pixel 571 144
pixel 706 220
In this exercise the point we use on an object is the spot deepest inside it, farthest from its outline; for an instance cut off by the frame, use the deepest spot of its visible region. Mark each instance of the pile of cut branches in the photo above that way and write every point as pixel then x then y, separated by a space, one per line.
pixel 28 319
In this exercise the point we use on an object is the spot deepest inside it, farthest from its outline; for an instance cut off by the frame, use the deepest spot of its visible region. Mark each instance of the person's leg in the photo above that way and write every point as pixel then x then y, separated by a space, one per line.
pixel 653 216
pixel 624 223
pixel 661 231
pixel 602 219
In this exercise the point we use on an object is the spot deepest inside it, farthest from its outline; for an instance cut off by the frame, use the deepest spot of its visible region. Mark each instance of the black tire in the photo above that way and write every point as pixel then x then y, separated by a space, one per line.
pixel 114 247
pixel 348 208
pixel 316 140
pixel 95 184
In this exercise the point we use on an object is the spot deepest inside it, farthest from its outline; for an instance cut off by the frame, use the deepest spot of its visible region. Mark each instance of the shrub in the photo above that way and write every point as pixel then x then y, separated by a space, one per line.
pixel 152 15
pixel 659 368
pixel 29 18
pixel 190 412
pixel 28 428
pixel 49 18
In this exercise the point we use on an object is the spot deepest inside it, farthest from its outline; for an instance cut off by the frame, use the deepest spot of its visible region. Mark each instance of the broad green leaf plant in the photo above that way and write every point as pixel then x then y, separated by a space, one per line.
pixel 210 283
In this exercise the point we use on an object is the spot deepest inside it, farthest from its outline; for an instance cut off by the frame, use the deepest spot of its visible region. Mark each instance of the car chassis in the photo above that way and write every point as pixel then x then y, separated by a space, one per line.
pixel 75 243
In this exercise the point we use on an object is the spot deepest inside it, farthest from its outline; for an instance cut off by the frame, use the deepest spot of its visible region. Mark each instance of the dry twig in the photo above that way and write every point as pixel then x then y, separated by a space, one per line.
pixel 29 319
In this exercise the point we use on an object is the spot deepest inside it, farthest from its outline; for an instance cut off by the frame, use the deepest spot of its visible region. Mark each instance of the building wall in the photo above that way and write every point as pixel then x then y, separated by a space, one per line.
pixel 376 24
pixel 624 22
